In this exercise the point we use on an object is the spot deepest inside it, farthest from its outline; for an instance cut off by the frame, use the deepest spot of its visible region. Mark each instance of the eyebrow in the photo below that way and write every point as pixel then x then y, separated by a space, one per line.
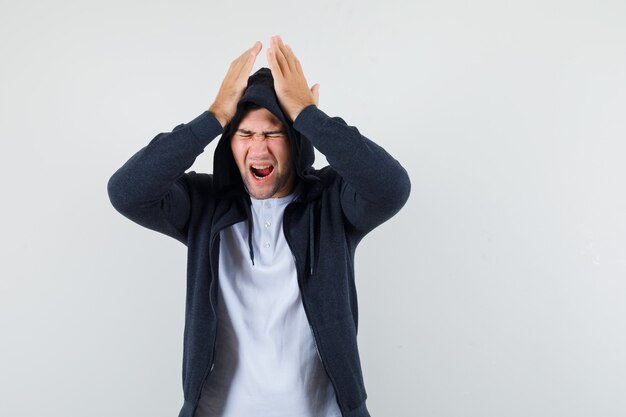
pixel 266 132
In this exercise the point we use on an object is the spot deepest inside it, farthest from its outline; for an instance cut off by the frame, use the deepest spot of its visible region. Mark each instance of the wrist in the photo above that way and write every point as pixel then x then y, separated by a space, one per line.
pixel 302 110
pixel 219 115
pixel 294 114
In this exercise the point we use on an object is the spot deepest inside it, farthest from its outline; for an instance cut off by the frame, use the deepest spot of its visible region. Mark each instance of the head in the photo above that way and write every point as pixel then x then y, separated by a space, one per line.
pixel 262 152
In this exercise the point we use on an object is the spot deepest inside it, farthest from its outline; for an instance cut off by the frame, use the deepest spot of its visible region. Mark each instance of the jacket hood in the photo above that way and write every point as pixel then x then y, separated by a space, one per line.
pixel 259 90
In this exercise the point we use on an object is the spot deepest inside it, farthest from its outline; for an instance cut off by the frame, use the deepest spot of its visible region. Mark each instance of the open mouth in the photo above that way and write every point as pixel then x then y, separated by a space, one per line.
pixel 261 171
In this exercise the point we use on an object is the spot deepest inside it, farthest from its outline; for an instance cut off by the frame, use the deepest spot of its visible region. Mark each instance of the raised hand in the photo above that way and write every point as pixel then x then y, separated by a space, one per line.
pixel 291 87
pixel 225 105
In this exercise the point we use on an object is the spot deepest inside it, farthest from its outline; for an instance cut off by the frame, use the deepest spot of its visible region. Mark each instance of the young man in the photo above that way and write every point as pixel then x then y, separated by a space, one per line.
pixel 271 312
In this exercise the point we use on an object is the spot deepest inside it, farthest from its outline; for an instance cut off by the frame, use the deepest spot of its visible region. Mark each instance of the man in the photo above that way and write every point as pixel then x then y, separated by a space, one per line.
pixel 271 312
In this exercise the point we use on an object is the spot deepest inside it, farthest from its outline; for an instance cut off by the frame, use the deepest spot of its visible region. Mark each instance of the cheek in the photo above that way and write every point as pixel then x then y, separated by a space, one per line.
pixel 283 154
pixel 239 153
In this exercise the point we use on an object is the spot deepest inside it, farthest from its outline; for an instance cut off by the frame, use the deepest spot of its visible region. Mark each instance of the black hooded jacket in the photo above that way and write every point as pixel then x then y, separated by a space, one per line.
pixel 335 207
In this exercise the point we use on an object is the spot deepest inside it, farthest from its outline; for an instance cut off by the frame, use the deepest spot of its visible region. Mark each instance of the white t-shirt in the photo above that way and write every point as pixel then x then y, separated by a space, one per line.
pixel 266 363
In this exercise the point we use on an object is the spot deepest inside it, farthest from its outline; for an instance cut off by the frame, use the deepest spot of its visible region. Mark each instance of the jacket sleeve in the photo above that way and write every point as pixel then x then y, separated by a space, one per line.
pixel 374 185
pixel 152 188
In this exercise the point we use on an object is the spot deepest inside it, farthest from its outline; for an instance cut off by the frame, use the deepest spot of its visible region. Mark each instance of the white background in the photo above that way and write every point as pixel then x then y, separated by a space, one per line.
pixel 499 289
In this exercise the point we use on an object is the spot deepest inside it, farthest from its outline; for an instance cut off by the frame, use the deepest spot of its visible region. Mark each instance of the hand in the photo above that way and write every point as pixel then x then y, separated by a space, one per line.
pixel 291 87
pixel 225 105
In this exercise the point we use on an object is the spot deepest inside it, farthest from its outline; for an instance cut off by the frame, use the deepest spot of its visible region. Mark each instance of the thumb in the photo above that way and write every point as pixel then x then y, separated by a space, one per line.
pixel 315 90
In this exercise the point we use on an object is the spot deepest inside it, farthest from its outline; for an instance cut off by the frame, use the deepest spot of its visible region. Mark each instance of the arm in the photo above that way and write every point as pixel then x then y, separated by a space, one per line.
pixel 374 185
pixel 151 188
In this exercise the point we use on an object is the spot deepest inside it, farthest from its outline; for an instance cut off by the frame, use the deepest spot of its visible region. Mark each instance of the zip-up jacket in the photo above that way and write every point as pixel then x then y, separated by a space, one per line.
pixel 336 206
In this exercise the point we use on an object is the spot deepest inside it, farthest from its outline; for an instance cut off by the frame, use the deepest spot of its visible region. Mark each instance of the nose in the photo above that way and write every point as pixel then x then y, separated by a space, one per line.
pixel 258 147
pixel 259 135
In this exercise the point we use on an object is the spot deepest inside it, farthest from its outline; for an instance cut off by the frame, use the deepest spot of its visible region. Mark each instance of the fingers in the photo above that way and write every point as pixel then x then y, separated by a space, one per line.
pixel 284 54
pixel 273 62
pixel 250 56
pixel 279 51
pixel 254 50
pixel 290 57
pixel 244 63
pixel 234 84
pixel 297 62
pixel 292 89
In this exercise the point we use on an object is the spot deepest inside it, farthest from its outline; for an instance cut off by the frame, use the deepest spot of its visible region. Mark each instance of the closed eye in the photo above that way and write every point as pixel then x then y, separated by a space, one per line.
pixel 275 135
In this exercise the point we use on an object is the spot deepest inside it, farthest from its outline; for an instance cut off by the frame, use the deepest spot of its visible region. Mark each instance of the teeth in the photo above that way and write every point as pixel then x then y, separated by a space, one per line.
pixel 255 168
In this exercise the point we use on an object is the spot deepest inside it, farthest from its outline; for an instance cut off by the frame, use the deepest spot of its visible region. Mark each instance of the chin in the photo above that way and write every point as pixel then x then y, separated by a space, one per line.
pixel 260 193
pixel 266 187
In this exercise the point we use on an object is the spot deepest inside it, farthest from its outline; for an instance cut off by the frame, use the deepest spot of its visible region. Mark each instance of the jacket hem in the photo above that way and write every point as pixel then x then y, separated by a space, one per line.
pixel 360 411
pixel 187 410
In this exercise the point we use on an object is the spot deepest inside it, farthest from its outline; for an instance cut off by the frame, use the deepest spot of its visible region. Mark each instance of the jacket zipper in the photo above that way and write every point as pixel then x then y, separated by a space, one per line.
pixel 306 311
pixel 208 371
pixel 319 353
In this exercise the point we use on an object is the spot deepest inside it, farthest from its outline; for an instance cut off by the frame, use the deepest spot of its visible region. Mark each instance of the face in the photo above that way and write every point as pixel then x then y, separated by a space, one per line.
pixel 262 152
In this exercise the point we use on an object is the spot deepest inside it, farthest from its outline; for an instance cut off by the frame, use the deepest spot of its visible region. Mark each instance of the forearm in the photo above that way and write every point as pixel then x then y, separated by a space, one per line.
pixel 150 173
pixel 373 174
